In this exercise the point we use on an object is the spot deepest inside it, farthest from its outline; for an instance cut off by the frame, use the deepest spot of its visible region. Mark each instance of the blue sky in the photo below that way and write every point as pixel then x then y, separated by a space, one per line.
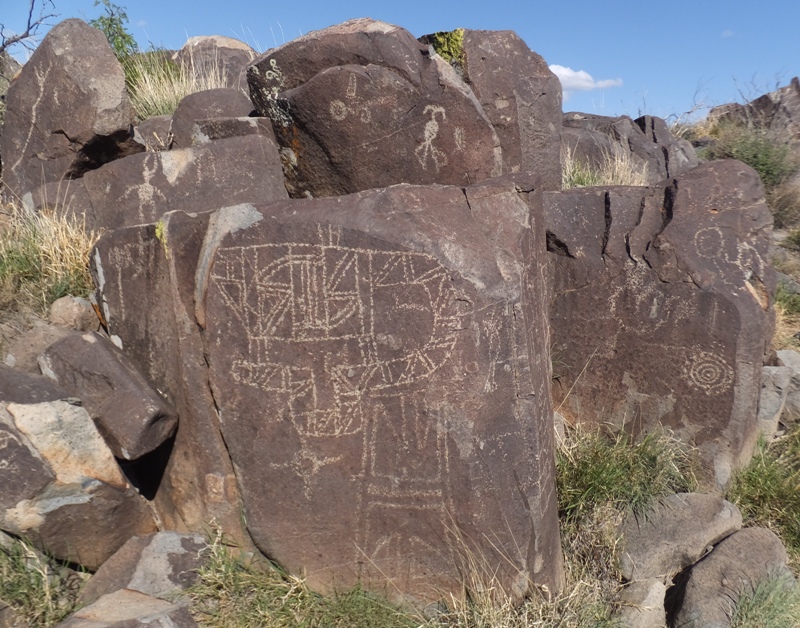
pixel 621 57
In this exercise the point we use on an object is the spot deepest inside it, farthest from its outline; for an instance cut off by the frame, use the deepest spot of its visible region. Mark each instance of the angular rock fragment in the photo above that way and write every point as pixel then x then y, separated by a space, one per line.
pixel 154 133
pixel 162 565
pixel 142 188
pixel 662 308
pixel 642 604
pixel 204 131
pixel 59 485
pixel 212 103
pixel 775 386
pixel 67 113
pixel 130 609
pixel 674 534
pixel 132 417
pixel 364 105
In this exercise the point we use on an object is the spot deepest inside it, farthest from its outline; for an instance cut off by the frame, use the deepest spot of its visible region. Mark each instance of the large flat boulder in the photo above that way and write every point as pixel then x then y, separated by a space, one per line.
pixel 222 58
pixel 363 105
pixel 378 367
pixel 68 111
pixel 662 308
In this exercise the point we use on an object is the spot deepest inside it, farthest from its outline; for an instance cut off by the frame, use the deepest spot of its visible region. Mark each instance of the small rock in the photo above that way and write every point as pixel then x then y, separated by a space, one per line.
pixel 642 604
pixel 162 565
pixel 791 408
pixel 675 534
pixel 74 312
pixel 775 386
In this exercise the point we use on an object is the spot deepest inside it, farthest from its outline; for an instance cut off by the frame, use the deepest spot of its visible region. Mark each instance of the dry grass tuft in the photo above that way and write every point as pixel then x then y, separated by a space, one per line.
pixel 157 84
pixel 617 168
pixel 43 256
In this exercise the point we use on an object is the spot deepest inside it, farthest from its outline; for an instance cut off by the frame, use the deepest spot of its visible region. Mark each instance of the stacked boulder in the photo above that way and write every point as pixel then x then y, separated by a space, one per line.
pixel 329 305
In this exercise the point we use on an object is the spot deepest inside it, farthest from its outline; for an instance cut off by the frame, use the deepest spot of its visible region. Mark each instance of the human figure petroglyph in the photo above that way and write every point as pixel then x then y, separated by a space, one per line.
pixel 427 150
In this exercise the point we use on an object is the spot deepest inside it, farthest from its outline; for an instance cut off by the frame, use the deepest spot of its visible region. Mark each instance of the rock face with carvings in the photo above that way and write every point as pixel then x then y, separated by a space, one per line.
pixel 364 105
pixel 661 308
pixel 68 111
pixel 395 341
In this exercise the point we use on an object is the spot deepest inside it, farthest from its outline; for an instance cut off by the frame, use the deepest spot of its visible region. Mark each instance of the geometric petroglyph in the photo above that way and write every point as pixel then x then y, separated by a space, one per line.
pixel 708 372
pixel 290 297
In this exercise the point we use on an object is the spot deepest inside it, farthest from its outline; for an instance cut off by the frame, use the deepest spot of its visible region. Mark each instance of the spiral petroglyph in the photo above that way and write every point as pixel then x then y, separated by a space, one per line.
pixel 708 372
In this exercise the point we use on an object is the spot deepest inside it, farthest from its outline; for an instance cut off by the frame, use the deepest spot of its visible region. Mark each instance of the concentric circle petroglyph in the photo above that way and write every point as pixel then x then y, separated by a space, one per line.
pixel 709 242
pixel 708 372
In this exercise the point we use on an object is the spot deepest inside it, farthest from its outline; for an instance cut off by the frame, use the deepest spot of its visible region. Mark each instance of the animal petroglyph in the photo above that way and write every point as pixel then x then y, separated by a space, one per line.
pixel 427 151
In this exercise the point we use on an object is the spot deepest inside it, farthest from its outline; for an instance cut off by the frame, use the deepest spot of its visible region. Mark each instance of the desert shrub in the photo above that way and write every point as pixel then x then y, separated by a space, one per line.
pixel 616 168
pixel 43 256
pixel 784 201
pixel 767 491
pixel 41 591
pixel 770 156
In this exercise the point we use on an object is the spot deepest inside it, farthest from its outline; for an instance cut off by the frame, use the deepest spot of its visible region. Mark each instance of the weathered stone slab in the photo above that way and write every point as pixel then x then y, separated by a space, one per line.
pixel 775 386
pixel 132 418
pixel 522 99
pixel 68 112
pixel 147 299
pixel 154 133
pixel 395 342
pixel 364 105
pixel 662 308
pixel 142 188
pixel 162 565
pixel 212 103
pixel 642 605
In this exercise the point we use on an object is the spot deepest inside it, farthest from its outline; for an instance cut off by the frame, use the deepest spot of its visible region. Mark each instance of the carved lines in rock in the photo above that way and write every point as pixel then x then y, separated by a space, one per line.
pixel 427 151
pixel 708 372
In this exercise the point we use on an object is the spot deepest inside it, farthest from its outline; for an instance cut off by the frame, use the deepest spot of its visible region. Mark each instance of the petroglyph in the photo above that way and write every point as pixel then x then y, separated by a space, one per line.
pixel 708 372
pixel 339 109
pixel 427 150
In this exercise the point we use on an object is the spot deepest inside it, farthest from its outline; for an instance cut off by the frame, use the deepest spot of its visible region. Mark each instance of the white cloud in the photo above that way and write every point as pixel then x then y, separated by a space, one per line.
pixel 580 80
pixel 727 33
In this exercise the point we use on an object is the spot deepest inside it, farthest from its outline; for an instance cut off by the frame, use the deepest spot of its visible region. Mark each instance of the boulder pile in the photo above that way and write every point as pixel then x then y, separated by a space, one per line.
pixel 335 308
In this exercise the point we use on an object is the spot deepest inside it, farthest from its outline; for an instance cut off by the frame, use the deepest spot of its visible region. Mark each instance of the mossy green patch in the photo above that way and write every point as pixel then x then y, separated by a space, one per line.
pixel 449 45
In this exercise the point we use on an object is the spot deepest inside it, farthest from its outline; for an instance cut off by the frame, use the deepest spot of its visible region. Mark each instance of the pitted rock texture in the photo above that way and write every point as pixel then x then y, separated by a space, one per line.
pixel 662 308
pixel 394 345
pixel 363 105
pixel 67 113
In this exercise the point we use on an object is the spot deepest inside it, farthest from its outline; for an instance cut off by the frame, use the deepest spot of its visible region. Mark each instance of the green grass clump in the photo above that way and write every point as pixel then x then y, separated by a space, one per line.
pixel 774 603
pixel 596 471
pixel 43 256
pixel 789 301
pixel 760 149
pixel 233 593
pixel 41 591
pixel 767 491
